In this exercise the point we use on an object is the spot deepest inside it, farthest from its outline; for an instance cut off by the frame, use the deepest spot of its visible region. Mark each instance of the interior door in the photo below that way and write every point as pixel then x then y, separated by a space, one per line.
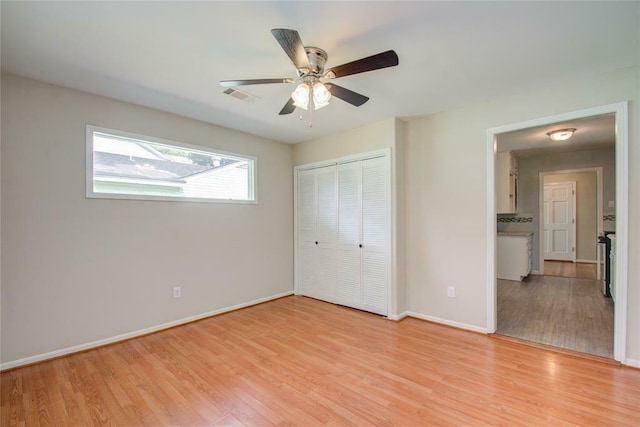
pixel 559 221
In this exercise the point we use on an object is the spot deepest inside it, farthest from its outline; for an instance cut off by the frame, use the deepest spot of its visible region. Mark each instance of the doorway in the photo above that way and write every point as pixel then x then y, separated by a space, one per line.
pixel 559 221
pixel 619 113
pixel 582 216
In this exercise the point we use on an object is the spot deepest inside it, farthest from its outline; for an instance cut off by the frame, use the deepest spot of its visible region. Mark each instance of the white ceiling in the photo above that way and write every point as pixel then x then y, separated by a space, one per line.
pixel 592 133
pixel 171 55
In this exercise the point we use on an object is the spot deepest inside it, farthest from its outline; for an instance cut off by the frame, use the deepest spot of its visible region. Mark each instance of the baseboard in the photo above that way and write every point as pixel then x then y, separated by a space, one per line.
pixel 632 363
pixel 398 317
pixel 587 261
pixel 122 337
pixel 446 322
pixel 535 272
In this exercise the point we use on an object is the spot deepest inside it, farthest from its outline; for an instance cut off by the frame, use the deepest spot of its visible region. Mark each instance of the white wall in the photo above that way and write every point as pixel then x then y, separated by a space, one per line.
pixel 446 194
pixel 76 270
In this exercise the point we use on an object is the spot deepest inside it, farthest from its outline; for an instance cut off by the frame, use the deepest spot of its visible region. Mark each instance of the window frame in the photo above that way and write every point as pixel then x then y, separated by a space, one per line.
pixel 91 194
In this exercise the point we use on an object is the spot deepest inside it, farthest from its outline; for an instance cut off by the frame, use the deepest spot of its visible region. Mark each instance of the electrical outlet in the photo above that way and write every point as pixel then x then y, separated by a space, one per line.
pixel 177 292
pixel 451 291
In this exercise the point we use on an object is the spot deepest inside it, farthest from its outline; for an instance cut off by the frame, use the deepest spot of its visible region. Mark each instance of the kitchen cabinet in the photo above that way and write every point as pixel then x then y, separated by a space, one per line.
pixel 506 183
pixel 343 227
pixel 514 255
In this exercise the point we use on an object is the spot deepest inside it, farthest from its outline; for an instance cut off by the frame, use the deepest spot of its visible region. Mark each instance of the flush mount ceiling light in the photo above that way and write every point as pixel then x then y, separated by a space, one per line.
pixel 561 134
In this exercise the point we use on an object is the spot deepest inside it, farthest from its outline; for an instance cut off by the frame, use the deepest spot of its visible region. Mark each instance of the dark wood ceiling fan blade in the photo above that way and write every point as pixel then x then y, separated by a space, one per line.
pixel 353 98
pixel 292 45
pixel 370 63
pixel 229 83
pixel 288 108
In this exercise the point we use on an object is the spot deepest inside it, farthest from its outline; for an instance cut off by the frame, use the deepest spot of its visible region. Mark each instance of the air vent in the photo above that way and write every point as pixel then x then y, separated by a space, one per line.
pixel 243 96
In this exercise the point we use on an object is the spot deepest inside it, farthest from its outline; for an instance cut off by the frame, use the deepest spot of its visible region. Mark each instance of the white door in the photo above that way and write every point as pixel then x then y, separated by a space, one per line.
pixel 559 221
pixel 326 233
pixel 349 235
pixel 317 224
pixel 363 229
pixel 307 218
pixel 375 199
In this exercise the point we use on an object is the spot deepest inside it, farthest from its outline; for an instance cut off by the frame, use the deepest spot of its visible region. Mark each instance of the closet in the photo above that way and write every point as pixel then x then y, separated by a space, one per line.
pixel 342 231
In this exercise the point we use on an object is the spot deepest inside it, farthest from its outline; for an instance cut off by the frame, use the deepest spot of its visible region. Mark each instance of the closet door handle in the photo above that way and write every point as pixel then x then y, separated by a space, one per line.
pixel 316 243
pixel 360 245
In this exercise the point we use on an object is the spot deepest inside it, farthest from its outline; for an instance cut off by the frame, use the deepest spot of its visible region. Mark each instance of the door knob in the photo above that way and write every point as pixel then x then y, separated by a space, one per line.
pixel 360 245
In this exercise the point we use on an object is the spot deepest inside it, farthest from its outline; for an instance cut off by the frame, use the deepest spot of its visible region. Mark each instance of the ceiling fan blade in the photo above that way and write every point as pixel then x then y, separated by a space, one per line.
pixel 228 83
pixel 346 95
pixel 370 63
pixel 288 108
pixel 293 47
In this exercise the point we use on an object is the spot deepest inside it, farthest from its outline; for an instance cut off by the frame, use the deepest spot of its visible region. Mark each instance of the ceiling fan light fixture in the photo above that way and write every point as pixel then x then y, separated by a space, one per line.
pixel 300 96
pixel 561 134
pixel 321 95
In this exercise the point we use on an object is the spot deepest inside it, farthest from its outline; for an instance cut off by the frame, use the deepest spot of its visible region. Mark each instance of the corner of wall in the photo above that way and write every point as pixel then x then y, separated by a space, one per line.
pixel 399 209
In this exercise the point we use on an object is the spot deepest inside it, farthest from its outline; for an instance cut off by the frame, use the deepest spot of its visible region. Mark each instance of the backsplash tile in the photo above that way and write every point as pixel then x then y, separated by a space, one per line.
pixel 517 219
pixel 609 221
pixel 515 222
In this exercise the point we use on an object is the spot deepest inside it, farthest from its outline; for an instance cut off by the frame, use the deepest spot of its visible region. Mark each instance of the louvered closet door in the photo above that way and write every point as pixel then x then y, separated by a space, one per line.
pixel 375 223
pixel 326 234
pixel 307 217
pixel 349 228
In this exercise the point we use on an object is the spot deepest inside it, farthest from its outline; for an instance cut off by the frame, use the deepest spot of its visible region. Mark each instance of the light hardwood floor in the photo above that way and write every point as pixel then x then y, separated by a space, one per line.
pixel 297 361
pixel 578 270
pixel 558 311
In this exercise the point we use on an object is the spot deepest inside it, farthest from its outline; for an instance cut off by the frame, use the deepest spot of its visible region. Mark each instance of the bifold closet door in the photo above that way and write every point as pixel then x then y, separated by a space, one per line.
pixel 375 232
pixel 363 199
pixel 317 230
pixel 349 235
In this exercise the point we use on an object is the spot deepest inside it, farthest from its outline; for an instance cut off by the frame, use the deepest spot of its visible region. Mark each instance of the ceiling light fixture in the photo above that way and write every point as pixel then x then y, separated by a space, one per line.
pixel 309 90
pixel 561 134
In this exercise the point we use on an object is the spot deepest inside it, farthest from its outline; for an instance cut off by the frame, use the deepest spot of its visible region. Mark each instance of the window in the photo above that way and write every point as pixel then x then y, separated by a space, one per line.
pixel 122 165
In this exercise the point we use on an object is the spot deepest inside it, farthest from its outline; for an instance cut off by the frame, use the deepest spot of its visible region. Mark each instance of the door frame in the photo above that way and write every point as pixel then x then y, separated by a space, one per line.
pixel 621 112
pixel 599 206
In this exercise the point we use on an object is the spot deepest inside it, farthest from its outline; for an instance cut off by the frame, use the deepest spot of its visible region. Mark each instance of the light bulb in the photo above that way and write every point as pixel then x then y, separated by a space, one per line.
pixel 300 96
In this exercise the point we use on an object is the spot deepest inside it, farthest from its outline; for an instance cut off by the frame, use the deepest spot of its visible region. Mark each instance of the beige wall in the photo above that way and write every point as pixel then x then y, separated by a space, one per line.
pixel 77 270
pixel 447 197
pixel 586 211
pixel 371 137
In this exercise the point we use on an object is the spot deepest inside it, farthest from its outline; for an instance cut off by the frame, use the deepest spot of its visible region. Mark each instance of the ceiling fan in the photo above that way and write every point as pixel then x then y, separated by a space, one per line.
pixel 309 62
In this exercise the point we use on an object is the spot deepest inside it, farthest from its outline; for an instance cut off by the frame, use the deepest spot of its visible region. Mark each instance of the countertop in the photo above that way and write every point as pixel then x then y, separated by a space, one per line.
pixel 516 233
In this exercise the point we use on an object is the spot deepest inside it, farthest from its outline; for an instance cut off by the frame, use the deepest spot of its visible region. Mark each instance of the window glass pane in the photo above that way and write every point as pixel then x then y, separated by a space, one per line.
pixel 128 166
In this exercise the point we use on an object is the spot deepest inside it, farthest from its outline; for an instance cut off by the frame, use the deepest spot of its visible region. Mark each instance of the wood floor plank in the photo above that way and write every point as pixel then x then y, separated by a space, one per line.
pixel 557 311
pixel 298 361
pixel 577 270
